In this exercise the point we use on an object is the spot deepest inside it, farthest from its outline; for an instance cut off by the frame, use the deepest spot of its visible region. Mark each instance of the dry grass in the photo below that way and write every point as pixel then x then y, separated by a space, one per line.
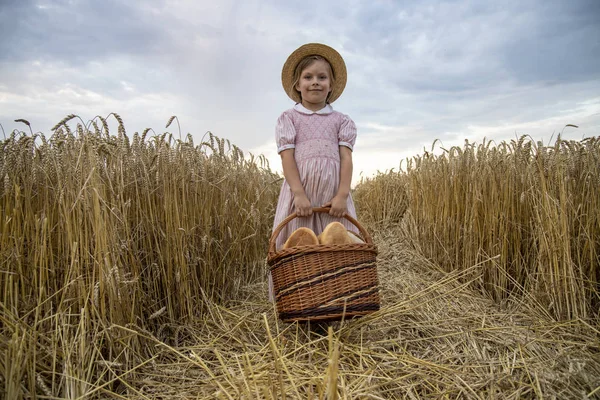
pixel 434 338
pixel 528 214
pixel 100 230
pixel 383 199
pixel 136 270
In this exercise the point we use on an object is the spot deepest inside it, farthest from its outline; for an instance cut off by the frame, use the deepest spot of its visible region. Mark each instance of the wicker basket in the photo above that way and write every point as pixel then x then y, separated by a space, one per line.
pixel 324 282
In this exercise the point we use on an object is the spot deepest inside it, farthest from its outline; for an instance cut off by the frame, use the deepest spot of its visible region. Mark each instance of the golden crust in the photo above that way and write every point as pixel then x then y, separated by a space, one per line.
pixel 334 233
pixel 301 237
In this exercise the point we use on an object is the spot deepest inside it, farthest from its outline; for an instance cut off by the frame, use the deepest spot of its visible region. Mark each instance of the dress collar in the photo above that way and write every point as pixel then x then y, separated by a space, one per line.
pixel 325 110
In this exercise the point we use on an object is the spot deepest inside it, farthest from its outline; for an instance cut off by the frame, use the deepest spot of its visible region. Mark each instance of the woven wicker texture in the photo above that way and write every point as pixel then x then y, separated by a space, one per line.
pixel 324 282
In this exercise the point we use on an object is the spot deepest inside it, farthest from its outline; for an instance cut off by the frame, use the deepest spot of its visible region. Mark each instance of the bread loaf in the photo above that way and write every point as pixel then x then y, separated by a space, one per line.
pixel 354 237
pixel 301 237
pixel 334 233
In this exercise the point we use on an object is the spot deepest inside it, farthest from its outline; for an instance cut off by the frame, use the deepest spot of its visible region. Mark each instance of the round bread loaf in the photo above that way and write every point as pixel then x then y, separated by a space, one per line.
pixel 301 237
pixel 354 237
pixel 334 233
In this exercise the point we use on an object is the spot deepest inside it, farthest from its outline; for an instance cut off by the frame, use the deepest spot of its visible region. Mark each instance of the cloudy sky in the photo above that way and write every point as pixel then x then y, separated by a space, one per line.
pixel 417 70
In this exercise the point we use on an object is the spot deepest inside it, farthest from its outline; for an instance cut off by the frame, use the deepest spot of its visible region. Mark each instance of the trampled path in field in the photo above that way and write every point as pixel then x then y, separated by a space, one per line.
pixel 434 337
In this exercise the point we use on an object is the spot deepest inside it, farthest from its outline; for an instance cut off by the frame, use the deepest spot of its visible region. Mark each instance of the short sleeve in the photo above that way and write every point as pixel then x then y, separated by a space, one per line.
pixel 347 134
pixel 285 133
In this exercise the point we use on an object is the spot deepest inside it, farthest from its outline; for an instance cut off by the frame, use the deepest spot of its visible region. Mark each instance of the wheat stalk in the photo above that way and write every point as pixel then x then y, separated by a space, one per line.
pixel 137 270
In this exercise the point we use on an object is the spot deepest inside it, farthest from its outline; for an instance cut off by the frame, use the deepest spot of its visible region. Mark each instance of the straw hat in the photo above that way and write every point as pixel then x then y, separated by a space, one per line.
pixel 311 49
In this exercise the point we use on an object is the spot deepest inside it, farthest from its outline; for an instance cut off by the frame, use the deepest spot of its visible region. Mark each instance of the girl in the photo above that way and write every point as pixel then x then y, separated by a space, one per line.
pixel 315 143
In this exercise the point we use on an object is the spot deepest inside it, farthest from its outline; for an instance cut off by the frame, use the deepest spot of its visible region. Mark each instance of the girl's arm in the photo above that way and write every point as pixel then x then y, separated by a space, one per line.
pixel 339 203
pixel 292 176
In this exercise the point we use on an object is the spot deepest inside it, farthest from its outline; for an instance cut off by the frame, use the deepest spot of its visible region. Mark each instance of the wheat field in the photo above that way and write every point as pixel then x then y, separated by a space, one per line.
pixel 133 267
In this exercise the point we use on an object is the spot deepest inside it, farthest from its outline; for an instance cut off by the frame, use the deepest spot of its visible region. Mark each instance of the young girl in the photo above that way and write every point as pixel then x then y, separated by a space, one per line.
pixel 315 143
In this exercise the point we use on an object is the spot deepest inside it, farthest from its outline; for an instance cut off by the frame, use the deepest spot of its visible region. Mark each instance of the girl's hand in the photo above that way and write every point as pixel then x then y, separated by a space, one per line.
pixel 303 206
pixel 339 206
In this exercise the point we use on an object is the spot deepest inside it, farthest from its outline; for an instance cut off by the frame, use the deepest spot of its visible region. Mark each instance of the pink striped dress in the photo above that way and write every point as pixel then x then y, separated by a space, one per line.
pixel 316 137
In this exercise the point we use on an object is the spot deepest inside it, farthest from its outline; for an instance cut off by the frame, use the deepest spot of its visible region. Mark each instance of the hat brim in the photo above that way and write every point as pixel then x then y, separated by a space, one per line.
pixel 334 58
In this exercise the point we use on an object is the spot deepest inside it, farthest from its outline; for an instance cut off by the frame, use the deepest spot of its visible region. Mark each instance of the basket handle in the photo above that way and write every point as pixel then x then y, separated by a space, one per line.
pixel 283 223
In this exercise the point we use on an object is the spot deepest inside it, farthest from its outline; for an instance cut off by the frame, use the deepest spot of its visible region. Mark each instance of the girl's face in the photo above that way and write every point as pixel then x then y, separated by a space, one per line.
pixel 315 85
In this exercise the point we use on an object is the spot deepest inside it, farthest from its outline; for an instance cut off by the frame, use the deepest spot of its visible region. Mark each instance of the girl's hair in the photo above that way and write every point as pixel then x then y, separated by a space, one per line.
pixel 304 63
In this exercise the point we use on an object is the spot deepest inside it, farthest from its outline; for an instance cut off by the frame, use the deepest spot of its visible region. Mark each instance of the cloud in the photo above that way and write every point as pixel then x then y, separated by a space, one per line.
pixel 418 70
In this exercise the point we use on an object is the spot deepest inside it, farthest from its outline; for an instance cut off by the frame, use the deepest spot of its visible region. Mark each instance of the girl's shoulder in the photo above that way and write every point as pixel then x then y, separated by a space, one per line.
pixel 341 114
pixel 287 114
pixel 288 111
pixel 343 118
